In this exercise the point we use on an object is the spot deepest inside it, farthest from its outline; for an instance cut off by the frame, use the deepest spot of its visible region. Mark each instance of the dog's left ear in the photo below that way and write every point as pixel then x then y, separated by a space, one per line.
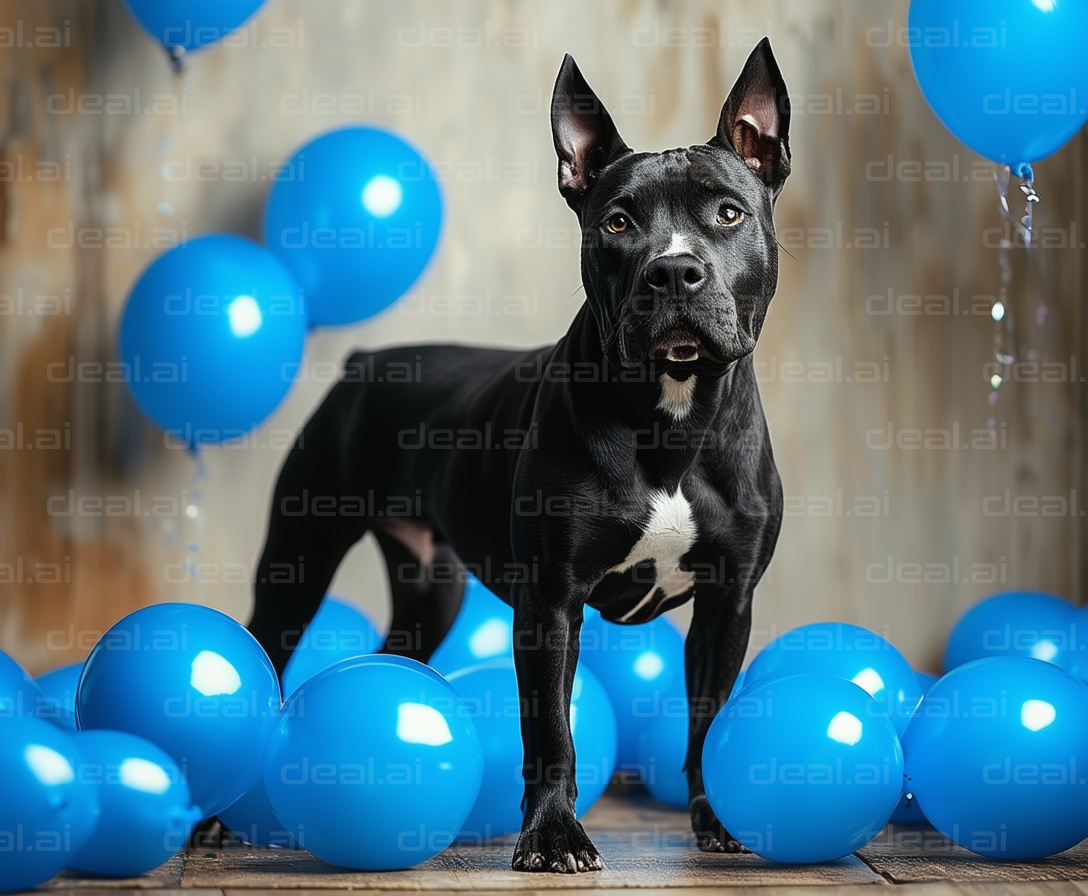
pixel 584 134
pixel 755 120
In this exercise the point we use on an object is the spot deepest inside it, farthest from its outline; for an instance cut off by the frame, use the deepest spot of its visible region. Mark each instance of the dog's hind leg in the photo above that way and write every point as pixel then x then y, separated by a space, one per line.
pixel 427 584
pixel 307 536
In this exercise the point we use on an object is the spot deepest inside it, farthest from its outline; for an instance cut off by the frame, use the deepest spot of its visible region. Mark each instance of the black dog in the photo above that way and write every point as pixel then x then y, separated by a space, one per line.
pixel 628 467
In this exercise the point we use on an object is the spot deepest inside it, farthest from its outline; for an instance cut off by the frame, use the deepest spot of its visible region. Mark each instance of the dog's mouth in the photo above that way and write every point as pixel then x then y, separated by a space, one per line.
pixel 679 346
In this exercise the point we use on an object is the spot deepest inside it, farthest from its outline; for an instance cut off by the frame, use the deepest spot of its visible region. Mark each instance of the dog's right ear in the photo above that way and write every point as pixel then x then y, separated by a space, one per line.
pixel 583 132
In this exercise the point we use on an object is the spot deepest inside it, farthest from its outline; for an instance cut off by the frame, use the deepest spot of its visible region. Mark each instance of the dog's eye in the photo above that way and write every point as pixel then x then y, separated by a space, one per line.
pixel 618 224
pixel 729 216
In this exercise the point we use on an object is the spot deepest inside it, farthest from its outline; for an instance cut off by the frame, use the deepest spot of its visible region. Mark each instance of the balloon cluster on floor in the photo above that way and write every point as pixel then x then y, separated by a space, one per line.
pixel 213 332
pixel 378 762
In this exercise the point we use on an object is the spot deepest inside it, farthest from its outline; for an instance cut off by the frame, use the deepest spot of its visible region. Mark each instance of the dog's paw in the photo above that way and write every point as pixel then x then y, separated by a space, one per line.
pixel 556 845
pixel 710 834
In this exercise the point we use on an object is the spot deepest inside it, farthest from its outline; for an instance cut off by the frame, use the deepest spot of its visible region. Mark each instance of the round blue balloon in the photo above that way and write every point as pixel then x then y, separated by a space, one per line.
pixel 483 630
pixel 805 768
pixel 46 813
pixel 20 696
pixel 1008 77
pixel 998 757
pixel 253 819
pixel 489 693
pixel 640 666
pixel 58 689
pixel 850 652
pixel 191 24
pixel 377 761
pixel 146 815
pixel 193 682
pixel 212 336
pixel 356 218
pixel 1015 623
pixel 337 632
pixel 663 748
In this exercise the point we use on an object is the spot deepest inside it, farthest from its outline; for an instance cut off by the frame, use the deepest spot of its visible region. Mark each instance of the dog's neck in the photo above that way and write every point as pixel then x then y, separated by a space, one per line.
pixel 667 422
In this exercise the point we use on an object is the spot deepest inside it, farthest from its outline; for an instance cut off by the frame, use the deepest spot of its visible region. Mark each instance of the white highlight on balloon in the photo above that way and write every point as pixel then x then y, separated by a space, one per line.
pixel 48 766
pixel 1044 650
pixel 649 665
pixel 490 639
pixel 418 723
pixel 869 680
pixel 845 728
pixel 213 674
pixel 1036 714
pixel 245 316
pixel 1044 5
pixel 997 310
pixel 143 775
pixel 382 196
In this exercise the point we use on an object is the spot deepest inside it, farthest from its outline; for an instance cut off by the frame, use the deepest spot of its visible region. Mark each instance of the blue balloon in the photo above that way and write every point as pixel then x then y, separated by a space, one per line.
pixel 377 761
pixel 46 813
pixel 1015 623
pixel 356 221
pixel 639 666
pixel 1007 77
pixel 483 630
pixel 58 689
pixel 663 748
pixel 191 24
pixel 489 693
pixel 146 815
pixel 850 652
pixel 20 696
pixel 337 632
pixel 997 756
pixel 193 682
pixel 253 819
pixel 805 768
pixel 212 336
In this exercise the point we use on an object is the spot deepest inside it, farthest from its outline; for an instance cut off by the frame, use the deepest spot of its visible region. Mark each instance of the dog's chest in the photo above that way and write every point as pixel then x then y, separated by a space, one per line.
pixel 653 565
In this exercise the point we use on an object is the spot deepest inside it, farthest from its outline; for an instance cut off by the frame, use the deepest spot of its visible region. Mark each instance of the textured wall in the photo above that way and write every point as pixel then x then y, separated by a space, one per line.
pixel 882 201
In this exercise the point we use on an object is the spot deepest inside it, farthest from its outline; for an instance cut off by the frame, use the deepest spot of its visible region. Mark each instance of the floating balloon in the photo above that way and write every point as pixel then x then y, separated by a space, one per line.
pixel 181 25
pixel 146 815
pixel 376 760
pixel 805 768
pixel 356 218
pixel 211 338
pixel 850 652
pixel 46 814
pixel 639 666
pixel 663 748
pixel 58 689
pixel 1007 77
pixel 337 632
pixel 998 753
pixel 1015 623
pixel 193 682
pixel 20 696
pixel 489 693
pixel 253 819
pixel 483 630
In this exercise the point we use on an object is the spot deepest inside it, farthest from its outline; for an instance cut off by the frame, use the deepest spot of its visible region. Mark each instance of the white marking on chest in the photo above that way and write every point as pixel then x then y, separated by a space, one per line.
pixel 676 396
pixel 678 246
pixel 669 535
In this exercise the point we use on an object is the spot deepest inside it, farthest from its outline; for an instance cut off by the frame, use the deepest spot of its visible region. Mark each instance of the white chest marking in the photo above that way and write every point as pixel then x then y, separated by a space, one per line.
pixel 676 396
pixel 667 537
pixel 678 246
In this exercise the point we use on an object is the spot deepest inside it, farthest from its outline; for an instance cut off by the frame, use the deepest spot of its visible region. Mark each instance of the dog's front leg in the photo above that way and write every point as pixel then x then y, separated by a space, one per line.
pixel 545 653
pixel 713 653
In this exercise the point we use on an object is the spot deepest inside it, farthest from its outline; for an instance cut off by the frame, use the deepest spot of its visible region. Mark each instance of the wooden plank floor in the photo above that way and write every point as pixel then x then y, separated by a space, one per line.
pixel 645 846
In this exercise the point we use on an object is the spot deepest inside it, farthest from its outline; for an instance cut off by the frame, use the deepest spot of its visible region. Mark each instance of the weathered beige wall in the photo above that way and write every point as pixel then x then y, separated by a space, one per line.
pixel 199 161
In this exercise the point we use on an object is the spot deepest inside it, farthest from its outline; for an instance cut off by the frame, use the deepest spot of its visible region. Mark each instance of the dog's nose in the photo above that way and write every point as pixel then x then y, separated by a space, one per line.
pixel 676 274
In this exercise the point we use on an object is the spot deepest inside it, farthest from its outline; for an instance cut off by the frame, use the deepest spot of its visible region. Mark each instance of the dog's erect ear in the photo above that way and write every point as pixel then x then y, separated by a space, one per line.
pixel 755 120
pixel 585 138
